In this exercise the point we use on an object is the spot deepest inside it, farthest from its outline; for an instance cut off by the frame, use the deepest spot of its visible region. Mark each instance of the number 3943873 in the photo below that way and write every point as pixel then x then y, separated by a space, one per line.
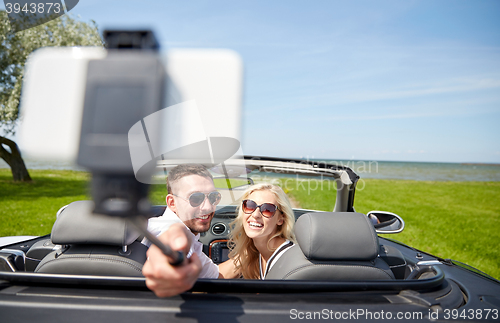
pixel 471 314
pixel 34 7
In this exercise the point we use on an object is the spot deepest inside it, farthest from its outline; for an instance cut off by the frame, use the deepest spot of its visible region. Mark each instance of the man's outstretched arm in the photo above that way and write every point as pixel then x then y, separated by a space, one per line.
pixel 161 277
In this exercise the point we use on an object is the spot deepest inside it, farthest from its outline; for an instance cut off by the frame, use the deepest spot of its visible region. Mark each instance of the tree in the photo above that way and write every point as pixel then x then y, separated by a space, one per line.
pixel 14 50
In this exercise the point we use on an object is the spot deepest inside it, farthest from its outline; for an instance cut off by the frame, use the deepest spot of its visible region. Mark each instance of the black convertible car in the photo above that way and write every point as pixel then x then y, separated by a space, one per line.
pixel 89 268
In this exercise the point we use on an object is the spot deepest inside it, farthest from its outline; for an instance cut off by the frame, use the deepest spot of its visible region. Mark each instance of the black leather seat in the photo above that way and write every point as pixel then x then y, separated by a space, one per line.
pixel 93 244
pixel 332 246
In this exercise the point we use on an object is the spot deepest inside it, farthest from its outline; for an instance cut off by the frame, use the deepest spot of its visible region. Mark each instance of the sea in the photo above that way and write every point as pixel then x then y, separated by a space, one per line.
pixel 423 171
pixel 419 171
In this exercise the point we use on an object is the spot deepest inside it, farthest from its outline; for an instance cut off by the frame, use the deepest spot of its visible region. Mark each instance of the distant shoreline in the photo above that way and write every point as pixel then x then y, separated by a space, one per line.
pixel 480 164
pixel 419 171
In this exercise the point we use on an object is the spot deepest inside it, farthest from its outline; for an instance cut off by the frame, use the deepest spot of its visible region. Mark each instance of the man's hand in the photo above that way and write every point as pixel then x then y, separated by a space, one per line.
pixel 164 279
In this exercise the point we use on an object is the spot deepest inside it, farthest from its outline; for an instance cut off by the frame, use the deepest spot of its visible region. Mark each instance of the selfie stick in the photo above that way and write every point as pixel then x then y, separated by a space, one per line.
pixel 176 258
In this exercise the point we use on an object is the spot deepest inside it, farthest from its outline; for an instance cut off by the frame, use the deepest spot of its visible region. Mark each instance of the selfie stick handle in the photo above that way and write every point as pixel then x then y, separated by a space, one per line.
pixel 177 257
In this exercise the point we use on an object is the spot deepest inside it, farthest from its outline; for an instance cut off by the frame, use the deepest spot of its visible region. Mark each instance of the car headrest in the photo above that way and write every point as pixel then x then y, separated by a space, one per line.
pixel 336 236
pixel 76 224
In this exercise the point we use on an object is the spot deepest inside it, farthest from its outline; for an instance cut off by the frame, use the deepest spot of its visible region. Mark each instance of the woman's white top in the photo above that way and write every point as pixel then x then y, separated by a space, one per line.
pixel 274 257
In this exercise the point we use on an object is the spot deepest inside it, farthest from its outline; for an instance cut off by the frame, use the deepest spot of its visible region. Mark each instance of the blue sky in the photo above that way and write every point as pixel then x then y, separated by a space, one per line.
pixel 370 80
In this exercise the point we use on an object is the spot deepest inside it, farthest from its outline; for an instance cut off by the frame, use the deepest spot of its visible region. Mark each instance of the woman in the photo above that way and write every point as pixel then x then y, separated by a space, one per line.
pixel 261 233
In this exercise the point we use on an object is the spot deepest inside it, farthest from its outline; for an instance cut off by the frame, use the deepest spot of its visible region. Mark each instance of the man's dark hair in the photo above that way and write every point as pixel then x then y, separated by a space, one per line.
pixel 181 171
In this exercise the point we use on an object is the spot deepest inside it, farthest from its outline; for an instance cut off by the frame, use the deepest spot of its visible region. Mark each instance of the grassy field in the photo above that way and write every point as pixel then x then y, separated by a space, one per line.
pixel 30 208
pixel 457 220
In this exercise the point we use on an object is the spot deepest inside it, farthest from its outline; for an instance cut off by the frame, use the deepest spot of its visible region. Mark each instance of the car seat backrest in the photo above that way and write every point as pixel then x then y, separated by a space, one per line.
pixel 77 224
pixel 333 246
pixel 93 244
pixel 336 236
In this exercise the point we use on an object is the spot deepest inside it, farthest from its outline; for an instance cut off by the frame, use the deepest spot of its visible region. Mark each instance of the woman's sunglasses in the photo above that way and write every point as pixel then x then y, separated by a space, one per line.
pixel 196 199
pixel 266 209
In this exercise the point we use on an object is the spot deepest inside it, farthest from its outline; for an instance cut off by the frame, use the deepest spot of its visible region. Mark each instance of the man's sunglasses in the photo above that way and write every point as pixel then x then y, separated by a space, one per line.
pixel 196 199
pixel 266 209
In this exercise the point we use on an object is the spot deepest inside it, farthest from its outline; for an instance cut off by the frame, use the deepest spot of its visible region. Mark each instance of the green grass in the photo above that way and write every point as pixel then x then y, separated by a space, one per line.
pixel 157 194
pixel 457 220
pixel 30 208
pixel 311 194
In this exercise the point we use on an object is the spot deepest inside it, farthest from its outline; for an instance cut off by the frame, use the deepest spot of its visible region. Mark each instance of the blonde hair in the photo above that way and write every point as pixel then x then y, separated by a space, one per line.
pixel 243 252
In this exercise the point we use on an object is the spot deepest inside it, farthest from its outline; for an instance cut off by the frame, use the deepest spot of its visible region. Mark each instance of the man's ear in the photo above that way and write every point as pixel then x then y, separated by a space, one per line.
pixel 171 203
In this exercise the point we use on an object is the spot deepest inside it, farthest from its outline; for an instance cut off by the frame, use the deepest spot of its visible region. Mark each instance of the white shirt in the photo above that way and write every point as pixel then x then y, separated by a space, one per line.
pixel 160 224
pixel 274 257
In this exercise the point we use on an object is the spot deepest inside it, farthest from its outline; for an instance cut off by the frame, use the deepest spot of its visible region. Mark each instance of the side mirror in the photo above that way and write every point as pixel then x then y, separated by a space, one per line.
pixel 386 222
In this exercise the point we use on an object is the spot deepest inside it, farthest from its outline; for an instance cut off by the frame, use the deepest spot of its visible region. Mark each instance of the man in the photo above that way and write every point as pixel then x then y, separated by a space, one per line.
pixel 191 200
